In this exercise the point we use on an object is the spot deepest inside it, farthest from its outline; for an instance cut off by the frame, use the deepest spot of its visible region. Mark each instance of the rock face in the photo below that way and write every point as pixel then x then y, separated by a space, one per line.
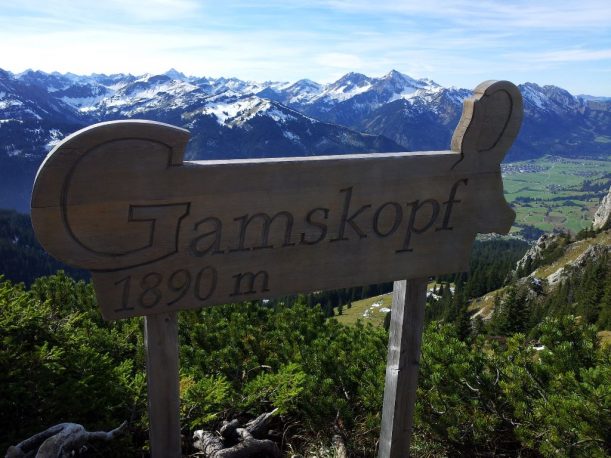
pixel 530 287
pixel 534 253
pixel 592 253
pixel 602 217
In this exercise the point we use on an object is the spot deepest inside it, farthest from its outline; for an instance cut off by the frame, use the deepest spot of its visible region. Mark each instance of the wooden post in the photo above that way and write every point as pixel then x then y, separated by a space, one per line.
pixel 161 342
pixel 407 320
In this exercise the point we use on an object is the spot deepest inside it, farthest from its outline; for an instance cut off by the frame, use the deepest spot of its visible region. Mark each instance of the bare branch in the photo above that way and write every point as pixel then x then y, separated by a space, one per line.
pixel 60 441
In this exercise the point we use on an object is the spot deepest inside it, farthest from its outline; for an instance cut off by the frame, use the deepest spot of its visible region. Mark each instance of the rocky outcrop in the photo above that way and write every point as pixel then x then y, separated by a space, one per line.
pixel 602 217
pixel 530 287
pixel 533 256
pixel 593 253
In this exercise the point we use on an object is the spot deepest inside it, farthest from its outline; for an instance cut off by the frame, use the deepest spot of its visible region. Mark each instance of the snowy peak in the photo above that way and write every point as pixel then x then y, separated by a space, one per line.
pixel 76 91
pixel 176 75
pixel 152 85
pixel 400 80
pixel 26 101
pixel 234 110
pixel 149 92
pixel 306 85
pixel 51 82
pixel 292 94
pixel 113 81
pixel 347 87
pixel 351 81
pixel 550 98
pixel 354 87
pixel 220 85
pixel 303 89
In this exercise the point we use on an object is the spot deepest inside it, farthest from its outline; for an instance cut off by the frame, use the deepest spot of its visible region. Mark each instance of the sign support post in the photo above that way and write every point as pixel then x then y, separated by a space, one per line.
pixel 161 343
pixel 406 324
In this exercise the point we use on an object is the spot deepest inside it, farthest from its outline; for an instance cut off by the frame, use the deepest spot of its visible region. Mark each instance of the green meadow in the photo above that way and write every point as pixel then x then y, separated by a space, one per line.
pixel 553 193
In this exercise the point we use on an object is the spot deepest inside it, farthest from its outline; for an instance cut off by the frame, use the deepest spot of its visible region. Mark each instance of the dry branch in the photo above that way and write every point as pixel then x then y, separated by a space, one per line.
pixel 60 441
pixel 236 442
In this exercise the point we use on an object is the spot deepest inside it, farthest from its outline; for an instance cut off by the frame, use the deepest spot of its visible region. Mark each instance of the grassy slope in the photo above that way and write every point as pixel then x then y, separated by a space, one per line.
pixel 485 304
pixel 374 314
pixel 356 312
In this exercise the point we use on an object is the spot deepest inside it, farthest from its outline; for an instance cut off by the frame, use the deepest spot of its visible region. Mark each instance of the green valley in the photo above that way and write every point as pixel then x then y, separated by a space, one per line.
pixel 553 193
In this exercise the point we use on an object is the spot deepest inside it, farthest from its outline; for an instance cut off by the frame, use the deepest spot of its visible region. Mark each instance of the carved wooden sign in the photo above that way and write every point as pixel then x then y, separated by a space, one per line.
pixel 161 234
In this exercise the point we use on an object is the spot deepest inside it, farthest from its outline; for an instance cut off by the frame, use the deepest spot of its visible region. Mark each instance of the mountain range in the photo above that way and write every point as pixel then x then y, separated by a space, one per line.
pixel 231 118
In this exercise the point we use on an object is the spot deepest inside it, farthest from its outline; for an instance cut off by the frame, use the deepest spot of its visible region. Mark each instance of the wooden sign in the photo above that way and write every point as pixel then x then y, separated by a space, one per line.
pixel 161 234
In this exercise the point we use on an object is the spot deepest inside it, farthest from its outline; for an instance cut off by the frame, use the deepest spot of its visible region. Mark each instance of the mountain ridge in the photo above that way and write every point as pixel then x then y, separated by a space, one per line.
pixel 232 118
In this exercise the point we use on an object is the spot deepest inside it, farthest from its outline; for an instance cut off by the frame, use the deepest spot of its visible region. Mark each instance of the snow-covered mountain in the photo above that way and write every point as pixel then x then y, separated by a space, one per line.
pixel 353 97
pixel 421 114
pixel 231 118
pixel 557 122
pixel 226 117
pixel 352 86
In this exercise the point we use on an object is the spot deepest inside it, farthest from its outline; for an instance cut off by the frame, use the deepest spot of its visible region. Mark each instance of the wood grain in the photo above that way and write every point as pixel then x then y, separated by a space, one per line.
pixel 406 323
pixel 161 235
pixel 161 342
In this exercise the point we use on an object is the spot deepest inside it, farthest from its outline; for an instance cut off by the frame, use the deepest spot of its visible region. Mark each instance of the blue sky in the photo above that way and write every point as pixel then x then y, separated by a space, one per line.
pixel 456 43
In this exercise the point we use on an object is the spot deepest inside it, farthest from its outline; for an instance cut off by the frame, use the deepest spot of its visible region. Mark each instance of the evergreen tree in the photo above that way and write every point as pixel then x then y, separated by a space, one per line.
pixel 463 323
pixel 512 314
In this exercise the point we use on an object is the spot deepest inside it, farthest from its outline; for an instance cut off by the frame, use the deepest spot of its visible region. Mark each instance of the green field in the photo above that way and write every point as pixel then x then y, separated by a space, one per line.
pixel 549 193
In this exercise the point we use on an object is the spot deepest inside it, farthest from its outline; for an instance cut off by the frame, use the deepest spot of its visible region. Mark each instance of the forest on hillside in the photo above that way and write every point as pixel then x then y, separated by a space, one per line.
pixel 532 380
